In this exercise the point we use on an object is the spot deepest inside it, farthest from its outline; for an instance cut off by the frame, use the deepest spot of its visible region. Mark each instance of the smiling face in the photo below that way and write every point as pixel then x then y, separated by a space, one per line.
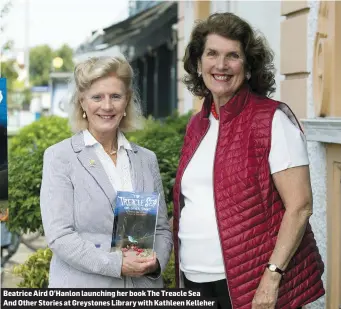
pixel 222 67
pixel 104 104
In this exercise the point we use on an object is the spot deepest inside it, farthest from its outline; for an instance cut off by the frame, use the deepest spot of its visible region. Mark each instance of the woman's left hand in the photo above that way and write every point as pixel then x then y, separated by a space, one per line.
pixel 134 266
pixel 267 291
pixel 154 265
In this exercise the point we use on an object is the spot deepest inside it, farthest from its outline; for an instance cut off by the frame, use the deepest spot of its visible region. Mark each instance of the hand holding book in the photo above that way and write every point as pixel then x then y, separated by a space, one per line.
pixel 134 232
pixel 135 266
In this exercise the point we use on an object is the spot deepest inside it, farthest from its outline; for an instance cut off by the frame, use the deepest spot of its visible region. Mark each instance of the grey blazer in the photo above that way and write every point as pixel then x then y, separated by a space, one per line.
pixel 77 201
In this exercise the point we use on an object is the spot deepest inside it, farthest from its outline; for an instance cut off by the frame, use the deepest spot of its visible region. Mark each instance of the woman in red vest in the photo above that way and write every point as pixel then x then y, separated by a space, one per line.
pixel 242 196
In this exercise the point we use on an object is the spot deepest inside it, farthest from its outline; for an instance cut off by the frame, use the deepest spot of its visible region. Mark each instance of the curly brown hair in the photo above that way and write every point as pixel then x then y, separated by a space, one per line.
pixel 259 56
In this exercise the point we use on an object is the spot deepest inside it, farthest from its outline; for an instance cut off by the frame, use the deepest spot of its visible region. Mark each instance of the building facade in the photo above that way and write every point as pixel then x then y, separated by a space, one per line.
pixel 306 39
pixel 136 6
pixel 148 40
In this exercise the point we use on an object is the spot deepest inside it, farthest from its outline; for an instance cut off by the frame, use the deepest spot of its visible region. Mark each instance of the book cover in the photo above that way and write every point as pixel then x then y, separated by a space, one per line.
pixel 135 222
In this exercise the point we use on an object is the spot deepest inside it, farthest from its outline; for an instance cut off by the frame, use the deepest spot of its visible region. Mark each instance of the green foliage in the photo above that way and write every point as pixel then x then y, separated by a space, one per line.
pixel 66 53
pixel 165 139
pixel 35 271
pixel 27 97
pixel 25 170
pixel 41 58
pixel 40 65
pixel 169 274
pixel 178 123
pixel 8 70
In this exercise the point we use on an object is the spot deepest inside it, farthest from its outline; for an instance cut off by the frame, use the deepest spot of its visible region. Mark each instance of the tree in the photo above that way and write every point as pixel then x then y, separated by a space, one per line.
pixel 41 58
pixel 66 53
pixel 40 65
pixel 8 70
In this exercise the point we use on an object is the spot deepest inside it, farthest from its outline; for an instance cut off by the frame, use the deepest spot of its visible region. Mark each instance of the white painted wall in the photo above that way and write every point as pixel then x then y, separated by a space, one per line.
pixel 263 16
pixel 220 6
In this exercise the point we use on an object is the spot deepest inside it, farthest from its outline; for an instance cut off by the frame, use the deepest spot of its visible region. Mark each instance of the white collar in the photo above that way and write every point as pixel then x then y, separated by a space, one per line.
pixel 122 141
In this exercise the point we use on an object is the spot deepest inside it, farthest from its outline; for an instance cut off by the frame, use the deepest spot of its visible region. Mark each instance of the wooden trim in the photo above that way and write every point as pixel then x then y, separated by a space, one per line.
pixel 288 7
pixel 202 9
pixel 333 288
pixel 327 60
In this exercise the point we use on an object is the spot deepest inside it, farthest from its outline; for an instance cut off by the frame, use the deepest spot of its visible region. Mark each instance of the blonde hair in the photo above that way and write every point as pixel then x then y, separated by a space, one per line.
pixel 88 71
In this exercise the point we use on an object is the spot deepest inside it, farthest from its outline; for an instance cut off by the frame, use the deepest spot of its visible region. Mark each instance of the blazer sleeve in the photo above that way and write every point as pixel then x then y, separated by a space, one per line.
pixel 56 203
pixel 163 236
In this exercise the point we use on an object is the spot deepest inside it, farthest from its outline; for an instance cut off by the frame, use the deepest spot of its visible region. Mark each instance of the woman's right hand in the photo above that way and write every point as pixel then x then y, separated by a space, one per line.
pixel 134 266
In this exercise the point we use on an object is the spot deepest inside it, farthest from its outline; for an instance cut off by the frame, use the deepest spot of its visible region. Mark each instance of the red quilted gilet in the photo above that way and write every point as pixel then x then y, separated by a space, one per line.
pixel 248 207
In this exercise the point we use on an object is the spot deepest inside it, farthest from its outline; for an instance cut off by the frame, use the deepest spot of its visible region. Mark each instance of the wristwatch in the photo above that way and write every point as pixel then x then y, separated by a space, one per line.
pixel 273 268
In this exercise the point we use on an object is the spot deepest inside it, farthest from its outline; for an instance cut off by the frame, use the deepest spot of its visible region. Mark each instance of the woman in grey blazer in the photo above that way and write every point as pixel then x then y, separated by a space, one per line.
pixel 81 176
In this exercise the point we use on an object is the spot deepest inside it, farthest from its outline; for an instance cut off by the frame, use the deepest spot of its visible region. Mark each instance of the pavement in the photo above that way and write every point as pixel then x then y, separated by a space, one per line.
pixel 8 279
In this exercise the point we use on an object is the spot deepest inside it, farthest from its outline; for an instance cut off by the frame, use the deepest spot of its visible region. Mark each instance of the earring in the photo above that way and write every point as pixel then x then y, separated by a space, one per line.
pixel 199 74
pixel 124 114
pixel 84 115
pixel 248 75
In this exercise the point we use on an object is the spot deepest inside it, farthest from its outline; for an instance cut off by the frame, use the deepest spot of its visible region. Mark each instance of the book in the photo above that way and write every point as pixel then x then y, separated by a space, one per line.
pixel 135 219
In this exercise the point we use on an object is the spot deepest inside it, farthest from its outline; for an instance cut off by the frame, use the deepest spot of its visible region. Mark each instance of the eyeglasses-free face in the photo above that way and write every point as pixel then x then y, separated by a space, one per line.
pixel 104 104
pixel 222 66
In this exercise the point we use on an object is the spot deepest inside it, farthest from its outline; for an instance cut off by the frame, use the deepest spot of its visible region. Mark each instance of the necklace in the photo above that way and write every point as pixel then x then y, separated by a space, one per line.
pixel 214 112
pixel 112 152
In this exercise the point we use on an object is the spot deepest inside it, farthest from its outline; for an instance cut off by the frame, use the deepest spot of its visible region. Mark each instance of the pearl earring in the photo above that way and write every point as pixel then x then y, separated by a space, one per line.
pixel 124 114
pixel 248 75
pixel 84 115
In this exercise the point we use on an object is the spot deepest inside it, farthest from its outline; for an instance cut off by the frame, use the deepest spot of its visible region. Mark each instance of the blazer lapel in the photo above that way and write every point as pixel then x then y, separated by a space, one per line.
pixel 136 169
pixel 88 158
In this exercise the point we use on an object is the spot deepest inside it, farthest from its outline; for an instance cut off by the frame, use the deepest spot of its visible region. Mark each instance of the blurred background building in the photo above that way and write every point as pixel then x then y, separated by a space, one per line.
pixel 136 6
pixel 148 38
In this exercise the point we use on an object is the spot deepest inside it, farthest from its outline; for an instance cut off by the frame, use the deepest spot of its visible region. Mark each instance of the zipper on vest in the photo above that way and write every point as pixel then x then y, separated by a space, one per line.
pixel 215 208
pixel 180 179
